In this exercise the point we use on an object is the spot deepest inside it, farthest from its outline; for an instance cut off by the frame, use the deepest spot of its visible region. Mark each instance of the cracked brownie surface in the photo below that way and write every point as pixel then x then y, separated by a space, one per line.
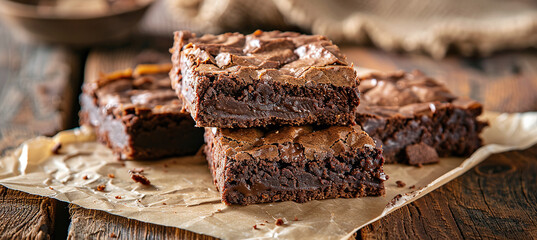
pixel 265 78
pixel 137 114
pixel 304 163
pixel 409 112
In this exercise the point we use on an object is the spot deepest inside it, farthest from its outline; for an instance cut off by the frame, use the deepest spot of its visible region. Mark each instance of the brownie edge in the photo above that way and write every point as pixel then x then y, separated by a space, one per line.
pixel 261 165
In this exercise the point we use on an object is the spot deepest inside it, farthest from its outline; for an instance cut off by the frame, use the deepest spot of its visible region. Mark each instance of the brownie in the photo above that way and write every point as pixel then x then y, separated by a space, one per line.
pixel 260 165
pixel 265 78
pixel 401 109
pixel 137 114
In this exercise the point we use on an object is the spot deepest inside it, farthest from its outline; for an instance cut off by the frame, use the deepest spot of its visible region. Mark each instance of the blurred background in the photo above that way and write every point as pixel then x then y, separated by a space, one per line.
pixel 484 49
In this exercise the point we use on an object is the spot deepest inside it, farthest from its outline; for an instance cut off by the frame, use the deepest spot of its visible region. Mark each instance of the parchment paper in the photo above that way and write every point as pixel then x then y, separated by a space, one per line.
pixel 182 193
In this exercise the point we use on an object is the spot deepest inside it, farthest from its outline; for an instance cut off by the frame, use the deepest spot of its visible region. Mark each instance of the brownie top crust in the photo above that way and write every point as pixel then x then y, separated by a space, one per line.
pixel 144 90
pixel 284 57
pixel 406 94
pixel 311 142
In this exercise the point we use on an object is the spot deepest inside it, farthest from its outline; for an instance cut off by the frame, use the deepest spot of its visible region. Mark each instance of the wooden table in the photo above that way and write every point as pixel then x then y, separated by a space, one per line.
pixel 39 86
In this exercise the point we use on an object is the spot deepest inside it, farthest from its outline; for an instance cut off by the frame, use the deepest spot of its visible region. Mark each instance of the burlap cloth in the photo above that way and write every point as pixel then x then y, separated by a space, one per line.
pixel 432 26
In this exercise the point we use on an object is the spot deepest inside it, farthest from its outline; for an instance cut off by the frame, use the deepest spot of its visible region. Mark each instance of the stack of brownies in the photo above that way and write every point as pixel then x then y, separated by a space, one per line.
pixel 281 114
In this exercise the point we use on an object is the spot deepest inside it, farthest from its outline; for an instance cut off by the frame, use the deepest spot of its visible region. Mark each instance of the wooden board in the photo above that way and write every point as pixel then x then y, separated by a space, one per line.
pixel 496 199
pixel 25 216
pixel 95 224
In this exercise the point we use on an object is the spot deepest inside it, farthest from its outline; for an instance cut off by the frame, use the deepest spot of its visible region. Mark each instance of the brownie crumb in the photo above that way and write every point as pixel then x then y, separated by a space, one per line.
pixel 111 175
pixel 400 184
pixel 123 164
pixel 279 222
pixel 56 148
pixel 163 203
pixel 262 224
pixel 118 197
pixel 255 227
pixel 113 235
pixel 140 179
pixel 101 187
pixel 394 200
pixel 296 218
pixel 51 188
pixel 85 177
pixel 412 187
pixel 219 210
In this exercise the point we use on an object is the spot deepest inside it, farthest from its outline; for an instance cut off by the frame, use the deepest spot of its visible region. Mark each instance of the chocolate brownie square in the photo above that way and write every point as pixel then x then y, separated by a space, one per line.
pixel 137 114
pixel 402 109
pixel 260 165
pixel 265 78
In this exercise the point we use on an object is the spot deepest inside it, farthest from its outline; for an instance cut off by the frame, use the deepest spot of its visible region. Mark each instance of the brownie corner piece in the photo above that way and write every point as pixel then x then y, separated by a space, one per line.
pixel 265 78
pixel 261 165
pixel 408 111
pixel 137 114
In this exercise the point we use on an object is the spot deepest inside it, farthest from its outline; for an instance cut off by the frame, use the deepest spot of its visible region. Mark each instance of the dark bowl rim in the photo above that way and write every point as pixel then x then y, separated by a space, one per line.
pixel 10 7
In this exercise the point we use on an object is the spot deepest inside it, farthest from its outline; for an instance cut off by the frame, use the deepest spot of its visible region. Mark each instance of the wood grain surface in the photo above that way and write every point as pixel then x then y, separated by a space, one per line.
pixel 38 88
pixel 94 224
pixel 495 200
pixel 26 216
pixel 36 94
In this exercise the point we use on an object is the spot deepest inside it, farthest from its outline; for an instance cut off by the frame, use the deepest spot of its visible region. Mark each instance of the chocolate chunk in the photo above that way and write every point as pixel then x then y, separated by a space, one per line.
pixel 421 153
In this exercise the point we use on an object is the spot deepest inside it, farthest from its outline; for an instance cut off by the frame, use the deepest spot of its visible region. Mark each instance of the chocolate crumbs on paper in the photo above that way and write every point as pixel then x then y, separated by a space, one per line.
pixel 140 179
